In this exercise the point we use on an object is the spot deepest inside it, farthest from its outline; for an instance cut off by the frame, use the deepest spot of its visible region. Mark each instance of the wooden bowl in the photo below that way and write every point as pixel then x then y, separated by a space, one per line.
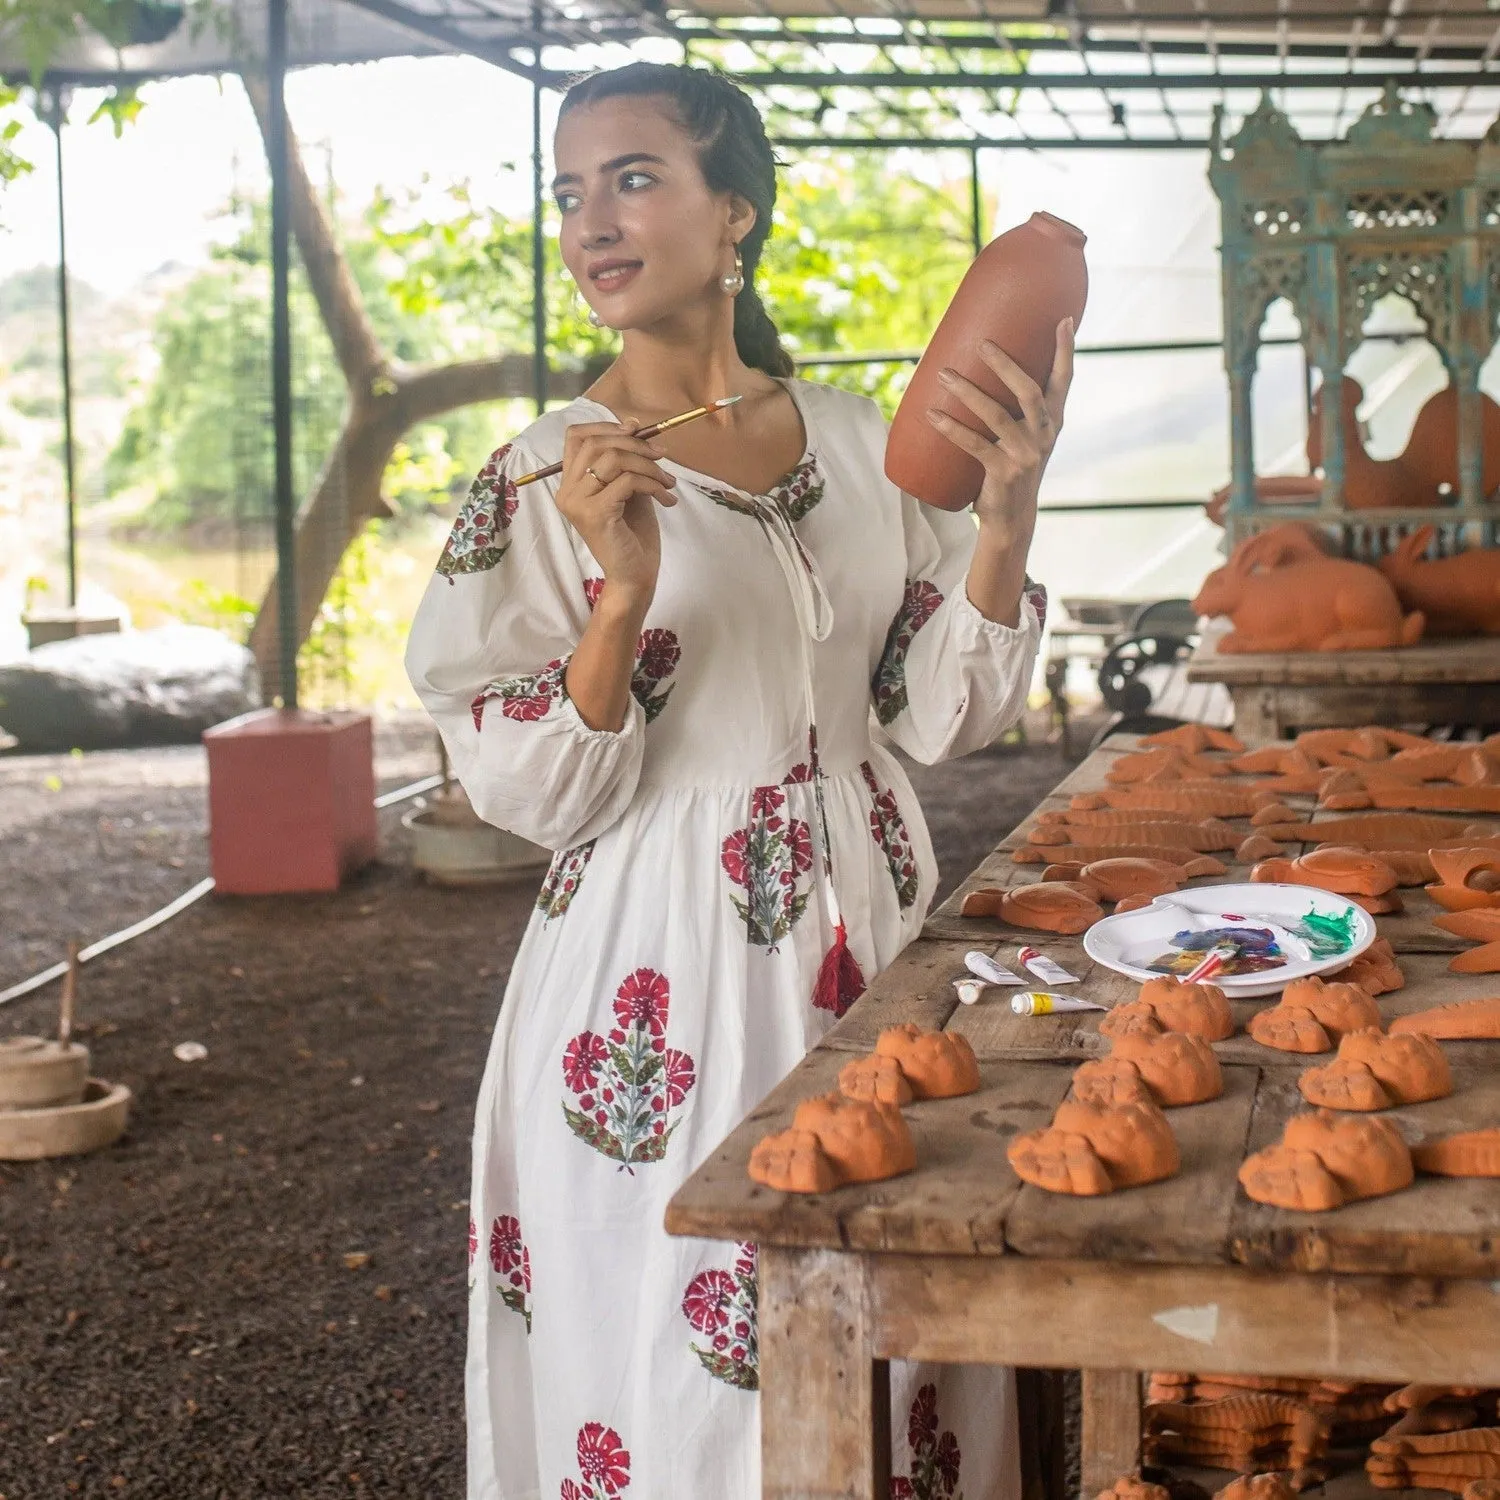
pixel 66 1129
pixel 36 1071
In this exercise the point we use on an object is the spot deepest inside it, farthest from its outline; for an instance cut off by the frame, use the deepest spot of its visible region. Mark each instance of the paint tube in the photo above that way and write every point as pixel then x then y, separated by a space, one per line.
pixel 1044 1003
pixel 969 990
pixel 982 966
pixel 1044 968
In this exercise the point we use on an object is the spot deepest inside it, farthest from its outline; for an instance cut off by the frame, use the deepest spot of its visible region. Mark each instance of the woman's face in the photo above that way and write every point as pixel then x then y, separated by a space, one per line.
pixel 642 235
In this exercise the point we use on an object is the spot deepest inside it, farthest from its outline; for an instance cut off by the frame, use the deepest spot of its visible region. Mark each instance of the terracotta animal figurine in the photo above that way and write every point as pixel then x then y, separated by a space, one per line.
pixel 1313 1016
pixel 937 1064
pixel 1197 800
pixel 1347 872
pixel 1480 925
pixel 1469 1153
pixel 1434 1460
pixel 1402 830
pixel 1194 739
pixel 1369 483
pixel 1238 1430
pixel 1257 1487
pixel 876 1080
pixel 1205 837
pixel 834 1140
pixel 1325 1159
pixel 1162 763
pixel 1088 1149
pixel 1304 604
pixel 1375 1071
pixel 1431 453
pixel 1256 847
pixel 1113 818
pixel 1128 1487
pixel 1466 878
pixel 1375 971
pixel 1167 1004
pixel 1047 906
pixel 1171 1067
pixel 1461 1020
pixel 1458 595
pixel 1088 853
pixel 1123 877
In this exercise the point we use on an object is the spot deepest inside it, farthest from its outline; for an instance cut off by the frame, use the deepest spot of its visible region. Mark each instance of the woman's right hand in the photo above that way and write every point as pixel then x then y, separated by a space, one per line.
pixel 609 489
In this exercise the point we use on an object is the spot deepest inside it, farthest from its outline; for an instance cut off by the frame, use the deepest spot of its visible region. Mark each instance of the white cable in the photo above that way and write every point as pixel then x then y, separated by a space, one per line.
pixel 178 904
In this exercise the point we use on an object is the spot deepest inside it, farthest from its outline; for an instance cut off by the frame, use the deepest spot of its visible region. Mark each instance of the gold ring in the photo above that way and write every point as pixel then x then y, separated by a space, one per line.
pixel 597 479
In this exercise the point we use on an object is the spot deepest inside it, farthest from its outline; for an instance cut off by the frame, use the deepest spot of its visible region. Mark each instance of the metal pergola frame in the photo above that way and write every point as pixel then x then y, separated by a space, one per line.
pixel 1185 62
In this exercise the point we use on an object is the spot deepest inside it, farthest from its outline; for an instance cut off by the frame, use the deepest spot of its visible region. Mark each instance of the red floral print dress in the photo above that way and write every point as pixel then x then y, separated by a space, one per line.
pixel 708 855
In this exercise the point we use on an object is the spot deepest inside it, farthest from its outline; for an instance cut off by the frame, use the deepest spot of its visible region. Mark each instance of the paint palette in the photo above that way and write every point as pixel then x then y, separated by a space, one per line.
pixel 1279 933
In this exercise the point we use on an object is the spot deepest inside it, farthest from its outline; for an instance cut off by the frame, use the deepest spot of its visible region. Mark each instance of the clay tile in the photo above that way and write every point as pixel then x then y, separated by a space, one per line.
pixel 937 1064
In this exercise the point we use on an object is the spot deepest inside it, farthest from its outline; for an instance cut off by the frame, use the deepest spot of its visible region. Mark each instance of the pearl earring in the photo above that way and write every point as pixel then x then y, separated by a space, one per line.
pixel 734 283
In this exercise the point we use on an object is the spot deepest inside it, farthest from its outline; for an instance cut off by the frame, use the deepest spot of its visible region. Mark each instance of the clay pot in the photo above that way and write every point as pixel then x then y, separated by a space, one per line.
pixel 876 1080
pixel 1167 1004
pixel 1460 1020
pixel 1374 1071
pixel 1325 1159
pixel 1088 1150
pixel 936 1064
pixel 1194 738
pixel 1019 289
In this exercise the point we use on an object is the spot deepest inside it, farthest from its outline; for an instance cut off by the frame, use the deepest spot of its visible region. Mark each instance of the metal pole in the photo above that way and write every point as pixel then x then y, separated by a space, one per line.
pixel 976 201
pixel 56 108
pixel 281 358
pixel 538 241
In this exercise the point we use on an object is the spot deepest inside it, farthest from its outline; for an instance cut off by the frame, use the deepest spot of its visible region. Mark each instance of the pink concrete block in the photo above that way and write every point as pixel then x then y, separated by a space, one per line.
pixel 291 800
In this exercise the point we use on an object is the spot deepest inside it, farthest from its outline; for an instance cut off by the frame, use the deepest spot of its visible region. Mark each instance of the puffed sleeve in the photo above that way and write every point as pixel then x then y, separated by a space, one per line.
pixel 950 681
pixel 487 653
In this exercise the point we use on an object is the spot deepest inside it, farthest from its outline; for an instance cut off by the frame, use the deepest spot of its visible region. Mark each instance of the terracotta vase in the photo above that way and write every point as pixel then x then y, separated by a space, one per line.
pixel 1021 286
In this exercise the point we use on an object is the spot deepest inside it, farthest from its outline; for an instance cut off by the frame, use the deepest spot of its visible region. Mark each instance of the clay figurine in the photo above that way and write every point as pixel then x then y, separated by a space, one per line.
pixel 1084 854
pixel 1018 290
pixel 1047 906
pixel 1460 1020
pixel 1197 800
pixel 1304 604
pixel 937 1064
pixel 1204 837
pixel 859 1142
pixel 1393 794
pixel 1346 872
pixel 1313 1015
pixel 1162 763
pixel 1237 1431
pixel 1127 1487
pixel 1167 1004
pixel 1173 1067
pixel 1434 1460
pixel 1375 1071
pixel 1117 877
pixel 1369 483
pixel 1325 1159
pixel 1256 847
pixel 1401 830
pixel 1194 739
pixel 1480 925
pixel 1375 971
pixel 1257 1487
pixel 1469 1153
pixel 1088 1150
pixel 1459 595
pixel 876 1080
pixel 1109 817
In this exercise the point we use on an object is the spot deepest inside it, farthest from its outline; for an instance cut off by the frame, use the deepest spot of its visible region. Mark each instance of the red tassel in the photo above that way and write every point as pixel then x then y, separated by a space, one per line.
pixel 840 982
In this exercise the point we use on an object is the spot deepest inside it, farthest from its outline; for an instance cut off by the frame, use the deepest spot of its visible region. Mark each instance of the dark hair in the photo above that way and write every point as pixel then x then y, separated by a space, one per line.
pixel 735 157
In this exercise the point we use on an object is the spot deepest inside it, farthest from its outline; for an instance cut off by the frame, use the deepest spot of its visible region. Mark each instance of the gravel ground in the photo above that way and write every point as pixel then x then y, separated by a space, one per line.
pixel 259 1291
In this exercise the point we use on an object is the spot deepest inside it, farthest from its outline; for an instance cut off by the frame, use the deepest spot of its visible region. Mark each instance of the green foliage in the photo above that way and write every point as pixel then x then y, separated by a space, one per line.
pixel 201 603
pixel 354 633
pixel 12 163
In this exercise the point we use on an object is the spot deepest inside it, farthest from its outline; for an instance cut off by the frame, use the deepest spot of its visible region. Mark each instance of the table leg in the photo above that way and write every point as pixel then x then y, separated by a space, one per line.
pixel 825 1405
pixel 1111 1437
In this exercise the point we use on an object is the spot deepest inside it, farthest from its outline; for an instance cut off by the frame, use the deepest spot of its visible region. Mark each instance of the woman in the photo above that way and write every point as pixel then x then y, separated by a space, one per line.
pixel 627 663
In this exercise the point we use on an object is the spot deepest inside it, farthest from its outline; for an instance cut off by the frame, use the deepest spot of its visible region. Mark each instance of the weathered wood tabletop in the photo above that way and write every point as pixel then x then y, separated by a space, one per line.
pixel 1433 682
pixel 959 1261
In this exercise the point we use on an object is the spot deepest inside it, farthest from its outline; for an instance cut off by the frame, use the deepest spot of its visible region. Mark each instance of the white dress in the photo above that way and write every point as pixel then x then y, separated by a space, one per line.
pixel 667 979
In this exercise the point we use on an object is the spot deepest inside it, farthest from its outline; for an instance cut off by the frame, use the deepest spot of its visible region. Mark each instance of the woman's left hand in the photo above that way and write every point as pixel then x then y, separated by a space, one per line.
pixel 1015 461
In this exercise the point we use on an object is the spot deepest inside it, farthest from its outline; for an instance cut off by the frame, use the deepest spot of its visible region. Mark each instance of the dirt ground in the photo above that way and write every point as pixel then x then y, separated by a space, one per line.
pixel 179 1318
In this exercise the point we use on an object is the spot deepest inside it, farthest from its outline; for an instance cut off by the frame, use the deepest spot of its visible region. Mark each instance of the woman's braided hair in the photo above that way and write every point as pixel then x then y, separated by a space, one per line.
pixel 735 157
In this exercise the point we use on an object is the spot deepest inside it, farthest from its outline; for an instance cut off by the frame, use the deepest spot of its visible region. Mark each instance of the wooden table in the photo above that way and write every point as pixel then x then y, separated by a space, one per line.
pixel 1442 682
pixel 960 1262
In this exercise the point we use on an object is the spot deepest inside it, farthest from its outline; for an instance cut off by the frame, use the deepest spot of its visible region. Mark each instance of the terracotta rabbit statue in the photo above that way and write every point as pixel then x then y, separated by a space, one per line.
pixel 1459 595
pixel 1283 594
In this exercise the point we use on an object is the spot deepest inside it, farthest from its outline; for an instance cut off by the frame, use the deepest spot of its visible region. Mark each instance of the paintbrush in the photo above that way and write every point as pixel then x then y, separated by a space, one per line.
pixel 644 432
